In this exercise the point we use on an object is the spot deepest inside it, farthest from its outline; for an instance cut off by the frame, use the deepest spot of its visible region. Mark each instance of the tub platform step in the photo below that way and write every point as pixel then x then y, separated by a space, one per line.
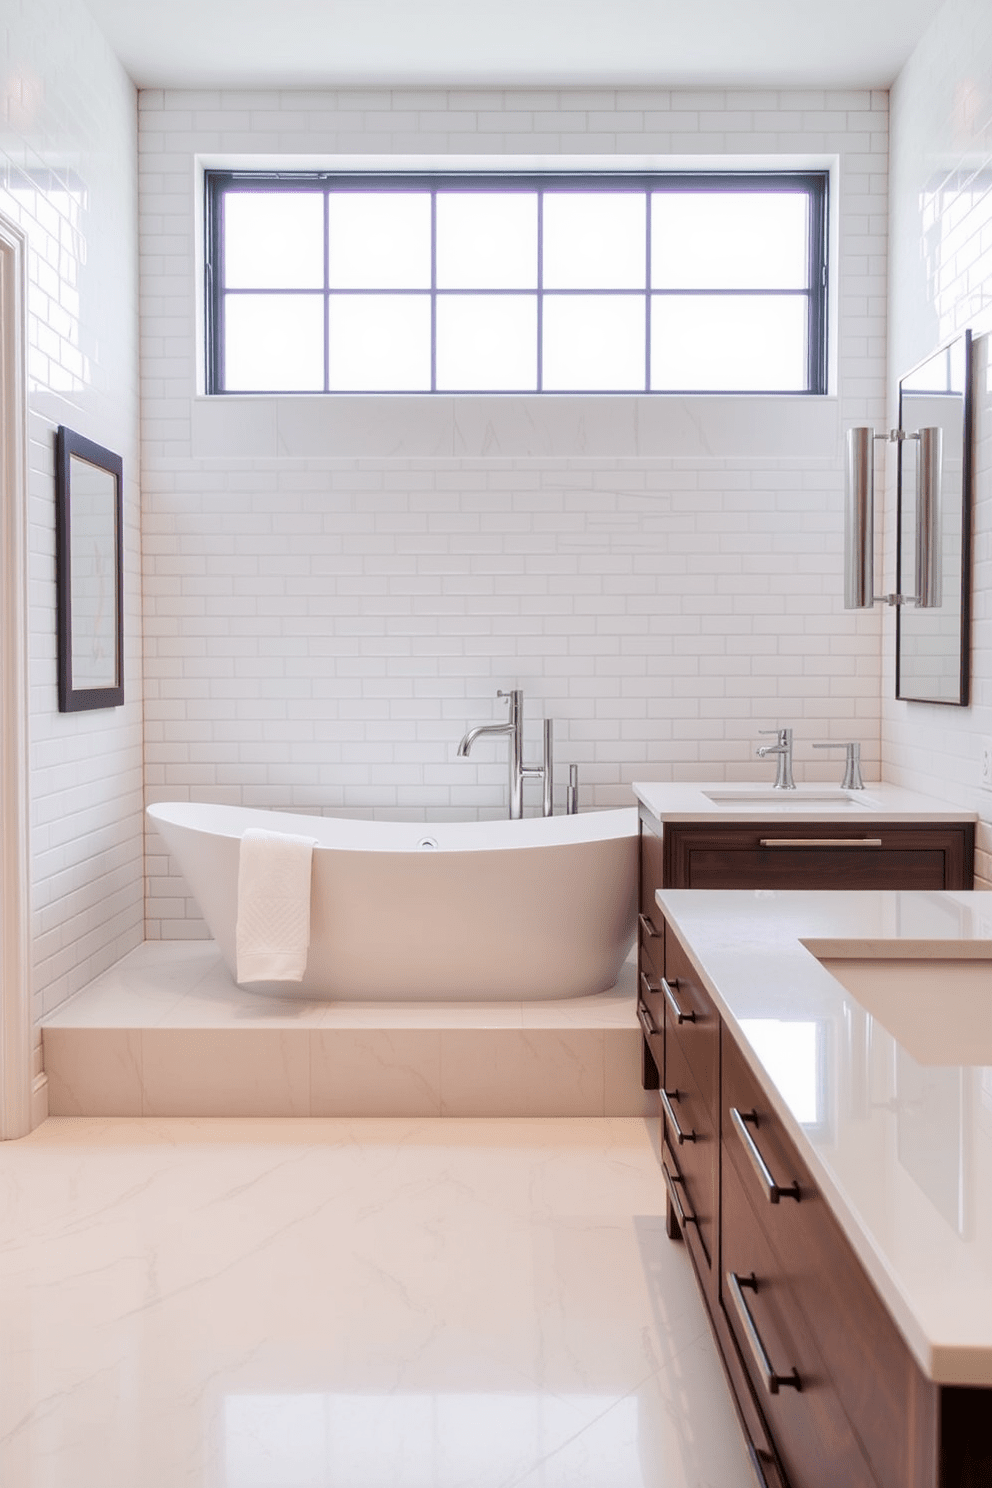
pixel 166 1032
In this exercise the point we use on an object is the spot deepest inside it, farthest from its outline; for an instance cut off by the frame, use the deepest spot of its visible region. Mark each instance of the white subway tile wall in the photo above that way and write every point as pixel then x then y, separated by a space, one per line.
pixel 941 282
pixel 332 597
pixel 68 179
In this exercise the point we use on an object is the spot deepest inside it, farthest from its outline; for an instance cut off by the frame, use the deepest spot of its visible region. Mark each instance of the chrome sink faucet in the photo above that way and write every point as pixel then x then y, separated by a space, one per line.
pixel 783 749
pixel 514 731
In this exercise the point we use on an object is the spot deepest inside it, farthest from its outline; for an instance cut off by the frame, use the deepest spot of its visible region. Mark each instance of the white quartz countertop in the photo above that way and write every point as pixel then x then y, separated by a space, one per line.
pixel 722 801
pixel 885 1089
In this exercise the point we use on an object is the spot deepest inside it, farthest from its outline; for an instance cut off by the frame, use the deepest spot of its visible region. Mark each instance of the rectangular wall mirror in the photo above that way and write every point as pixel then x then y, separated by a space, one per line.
pixel 932 661
pixel 89 574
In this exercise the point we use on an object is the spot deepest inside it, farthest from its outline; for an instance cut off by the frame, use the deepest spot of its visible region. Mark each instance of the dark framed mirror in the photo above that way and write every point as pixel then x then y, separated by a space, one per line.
pixel 89 558
pixel 932 644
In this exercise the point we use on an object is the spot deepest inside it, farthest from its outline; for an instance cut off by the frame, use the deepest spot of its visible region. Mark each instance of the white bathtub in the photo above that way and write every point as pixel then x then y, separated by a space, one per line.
pixel 504 911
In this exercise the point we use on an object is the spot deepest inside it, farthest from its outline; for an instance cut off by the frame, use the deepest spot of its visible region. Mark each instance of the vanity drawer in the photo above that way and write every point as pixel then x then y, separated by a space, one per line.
pixel 687 1111
pixel 876 1379
pixel 798 1396
pixel 692 1020
pixel 853 854
pixel 698 1227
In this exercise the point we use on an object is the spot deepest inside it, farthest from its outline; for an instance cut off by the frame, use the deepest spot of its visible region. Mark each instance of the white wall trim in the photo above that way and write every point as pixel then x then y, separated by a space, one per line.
pixel 15 922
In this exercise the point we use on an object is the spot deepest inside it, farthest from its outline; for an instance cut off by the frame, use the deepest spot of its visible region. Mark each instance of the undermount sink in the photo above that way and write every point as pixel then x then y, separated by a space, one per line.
pixel 790 800
pixel 939 1010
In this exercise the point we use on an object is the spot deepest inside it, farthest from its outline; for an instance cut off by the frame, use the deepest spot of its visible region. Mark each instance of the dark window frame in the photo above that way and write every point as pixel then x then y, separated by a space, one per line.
pixel 814 183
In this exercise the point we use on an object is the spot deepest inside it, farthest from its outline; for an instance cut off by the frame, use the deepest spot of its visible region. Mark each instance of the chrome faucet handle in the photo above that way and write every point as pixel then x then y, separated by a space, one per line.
pixel 784 735
pixel 852 763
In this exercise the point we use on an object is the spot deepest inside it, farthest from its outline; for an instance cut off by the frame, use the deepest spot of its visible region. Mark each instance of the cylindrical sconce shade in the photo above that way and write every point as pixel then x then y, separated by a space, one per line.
pixel 928 545
pixel 859 519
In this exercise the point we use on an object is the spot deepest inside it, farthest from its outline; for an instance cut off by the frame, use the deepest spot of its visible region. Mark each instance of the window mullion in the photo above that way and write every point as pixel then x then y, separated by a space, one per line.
pixel 327 289
pixel 647 292
pixel 433 291
pixel 540 291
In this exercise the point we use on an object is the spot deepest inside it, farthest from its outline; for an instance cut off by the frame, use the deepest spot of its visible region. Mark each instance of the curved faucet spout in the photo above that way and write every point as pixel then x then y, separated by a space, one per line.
pixel 483 728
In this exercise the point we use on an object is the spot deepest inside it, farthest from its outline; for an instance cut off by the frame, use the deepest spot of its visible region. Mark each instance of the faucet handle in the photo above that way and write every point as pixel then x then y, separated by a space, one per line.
pixel 852 764
pixel 782 734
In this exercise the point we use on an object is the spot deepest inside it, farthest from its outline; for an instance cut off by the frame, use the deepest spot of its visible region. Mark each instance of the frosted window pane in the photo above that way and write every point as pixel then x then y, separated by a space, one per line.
pixel 593 343
pixel 487 342
pixel 732 342
pixel 379 241
pixel 722 240
pixel 594 240
pixel 273 240
pixel 380 343
pixel 274 343
pixel 486 240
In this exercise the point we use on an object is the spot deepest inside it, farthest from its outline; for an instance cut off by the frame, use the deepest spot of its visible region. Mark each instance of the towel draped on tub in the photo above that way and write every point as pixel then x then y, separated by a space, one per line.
pixel 273 930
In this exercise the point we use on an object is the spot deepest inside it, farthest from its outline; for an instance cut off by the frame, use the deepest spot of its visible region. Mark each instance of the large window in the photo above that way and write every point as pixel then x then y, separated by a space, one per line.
pixel 343 283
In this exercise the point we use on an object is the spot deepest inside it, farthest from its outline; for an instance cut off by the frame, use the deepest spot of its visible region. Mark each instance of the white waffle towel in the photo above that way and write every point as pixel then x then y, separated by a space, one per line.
pixel 273 934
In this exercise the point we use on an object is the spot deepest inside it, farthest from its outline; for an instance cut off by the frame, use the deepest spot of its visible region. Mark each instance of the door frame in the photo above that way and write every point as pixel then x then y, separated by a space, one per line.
pixel 16 1048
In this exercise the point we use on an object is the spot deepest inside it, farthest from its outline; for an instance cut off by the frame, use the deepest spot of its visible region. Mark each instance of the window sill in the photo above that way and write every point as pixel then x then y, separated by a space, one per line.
pixel 509 427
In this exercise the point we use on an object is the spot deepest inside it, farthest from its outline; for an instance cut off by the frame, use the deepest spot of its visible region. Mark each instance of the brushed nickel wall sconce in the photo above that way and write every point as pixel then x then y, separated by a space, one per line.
pixel 859 519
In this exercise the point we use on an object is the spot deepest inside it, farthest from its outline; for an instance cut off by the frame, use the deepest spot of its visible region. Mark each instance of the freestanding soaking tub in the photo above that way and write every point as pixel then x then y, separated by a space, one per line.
pixel 503 911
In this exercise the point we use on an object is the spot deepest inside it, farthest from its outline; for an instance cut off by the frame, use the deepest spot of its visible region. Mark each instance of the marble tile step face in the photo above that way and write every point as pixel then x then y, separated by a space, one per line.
pixel 343 1071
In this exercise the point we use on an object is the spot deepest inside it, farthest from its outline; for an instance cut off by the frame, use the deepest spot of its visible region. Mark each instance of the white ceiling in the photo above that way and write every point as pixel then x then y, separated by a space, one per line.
pixel 305 43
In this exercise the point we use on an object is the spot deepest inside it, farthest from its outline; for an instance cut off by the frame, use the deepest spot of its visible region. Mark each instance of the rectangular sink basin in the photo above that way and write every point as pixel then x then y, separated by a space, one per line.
pixel 793 800
pixel 940 1011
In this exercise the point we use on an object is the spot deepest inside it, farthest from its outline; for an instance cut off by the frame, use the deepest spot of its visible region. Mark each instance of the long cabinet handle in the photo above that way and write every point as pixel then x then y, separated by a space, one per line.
pixel 647 1023
pixel 681 1214
pixel 772 1382
pixel 773 1191
pixel 666 1100
pixel 819 842
pixel 648 926
pixel 679 1013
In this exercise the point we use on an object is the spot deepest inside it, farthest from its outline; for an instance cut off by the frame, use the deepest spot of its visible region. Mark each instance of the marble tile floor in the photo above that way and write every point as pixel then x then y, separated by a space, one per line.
pixel 167 1032
pixel 369 1303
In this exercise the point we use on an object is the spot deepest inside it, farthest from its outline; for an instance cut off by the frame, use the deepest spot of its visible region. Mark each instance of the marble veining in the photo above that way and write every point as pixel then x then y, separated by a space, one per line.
pixel 167 1032
pixel 351 1304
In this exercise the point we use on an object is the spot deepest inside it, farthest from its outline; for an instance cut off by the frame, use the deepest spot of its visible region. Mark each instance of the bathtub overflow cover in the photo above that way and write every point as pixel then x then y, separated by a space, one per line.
pixel 427 842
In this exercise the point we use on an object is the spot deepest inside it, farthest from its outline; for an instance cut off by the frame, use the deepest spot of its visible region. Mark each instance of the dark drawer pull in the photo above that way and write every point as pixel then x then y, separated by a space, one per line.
pixel 647 925
pixel 647 1025
pixel 819 842
pixel 772 1382
pixel 758 1462
pixel 651 987
pixel 773 1191
pixel 666 1100
pixel 681 1214
pixel 681 1016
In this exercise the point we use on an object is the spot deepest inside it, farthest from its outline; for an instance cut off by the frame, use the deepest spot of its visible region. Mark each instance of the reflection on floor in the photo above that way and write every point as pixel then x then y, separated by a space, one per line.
pixel 351 1304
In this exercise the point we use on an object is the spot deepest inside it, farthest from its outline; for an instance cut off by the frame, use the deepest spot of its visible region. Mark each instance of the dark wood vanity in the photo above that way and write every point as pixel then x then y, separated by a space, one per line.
pixel 827 1390
pixel 792 854
pixel 780 854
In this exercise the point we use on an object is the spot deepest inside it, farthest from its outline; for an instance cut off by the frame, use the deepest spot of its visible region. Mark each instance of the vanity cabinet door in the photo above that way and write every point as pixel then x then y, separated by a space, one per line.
pixel 691 1019
pixel 810 1427
pixel 690 1099
pixel 692 1142
pixel 788 854
pixel 887 1402
pixel 651 958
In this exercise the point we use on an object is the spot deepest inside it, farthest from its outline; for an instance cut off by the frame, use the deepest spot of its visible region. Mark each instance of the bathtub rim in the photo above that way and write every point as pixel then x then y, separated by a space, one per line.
pixel 362 834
